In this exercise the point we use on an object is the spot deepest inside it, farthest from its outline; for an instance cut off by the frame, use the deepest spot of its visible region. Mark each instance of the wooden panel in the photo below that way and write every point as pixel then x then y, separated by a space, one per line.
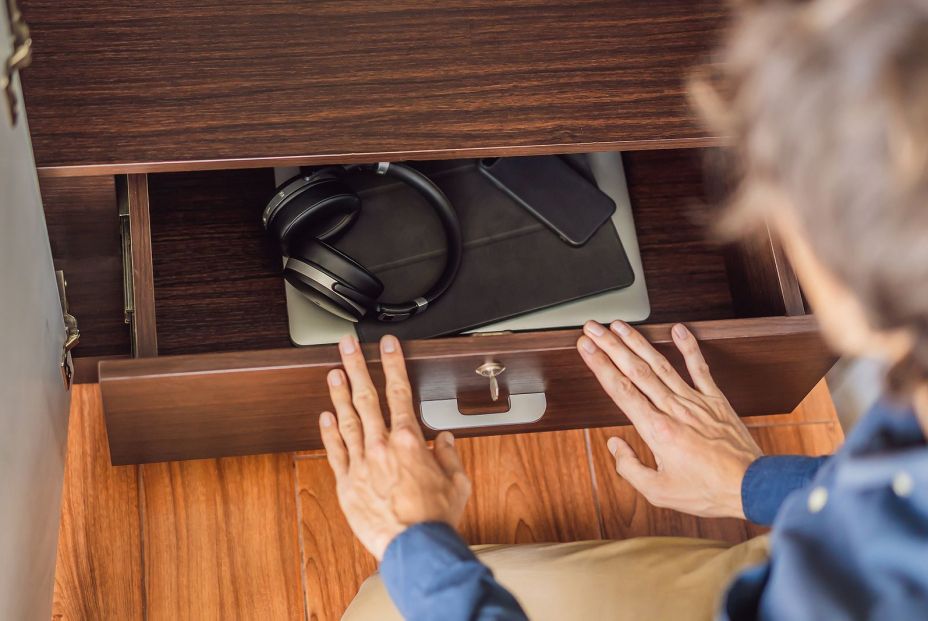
pixel 185 407
pixel 762 280
pixel 816 407
pixel 217 274
pixel 85 368
pixel 627 514
pixel 334 562
pixel 142 87
pixel 522 491
pixel 685 271
pixel 133 194
pixel 221 541
pixel 83 228
pixel 517 498
pixel 99 570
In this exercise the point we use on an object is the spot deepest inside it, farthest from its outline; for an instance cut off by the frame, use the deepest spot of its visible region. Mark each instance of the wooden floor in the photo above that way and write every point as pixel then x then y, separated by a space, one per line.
pixel 263 538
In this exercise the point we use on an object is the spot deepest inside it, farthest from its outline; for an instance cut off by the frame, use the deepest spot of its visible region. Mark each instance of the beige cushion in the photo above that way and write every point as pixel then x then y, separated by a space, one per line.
pixel 649 578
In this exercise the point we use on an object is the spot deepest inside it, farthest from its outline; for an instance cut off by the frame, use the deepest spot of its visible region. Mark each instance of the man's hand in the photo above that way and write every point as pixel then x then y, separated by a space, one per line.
pixel 701 447
pixel 387 481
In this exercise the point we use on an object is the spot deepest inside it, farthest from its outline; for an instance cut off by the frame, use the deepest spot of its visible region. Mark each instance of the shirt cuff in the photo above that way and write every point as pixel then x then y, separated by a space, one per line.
pixel 430 573
pixel 770 479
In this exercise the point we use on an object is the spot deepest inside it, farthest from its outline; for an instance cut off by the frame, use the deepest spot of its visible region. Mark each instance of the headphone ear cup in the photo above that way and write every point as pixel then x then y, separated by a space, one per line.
pixel 332 279
pixel 321 209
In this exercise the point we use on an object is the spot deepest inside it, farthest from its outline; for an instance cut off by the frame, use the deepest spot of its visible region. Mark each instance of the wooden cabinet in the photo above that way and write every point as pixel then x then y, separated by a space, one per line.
pixel 182 109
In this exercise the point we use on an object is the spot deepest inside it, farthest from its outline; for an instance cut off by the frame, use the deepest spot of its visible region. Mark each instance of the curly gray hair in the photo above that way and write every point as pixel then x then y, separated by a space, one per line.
pixel 826 106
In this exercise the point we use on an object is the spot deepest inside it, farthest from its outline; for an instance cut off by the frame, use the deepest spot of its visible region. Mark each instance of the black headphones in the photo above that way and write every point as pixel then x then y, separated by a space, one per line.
pixel 310 209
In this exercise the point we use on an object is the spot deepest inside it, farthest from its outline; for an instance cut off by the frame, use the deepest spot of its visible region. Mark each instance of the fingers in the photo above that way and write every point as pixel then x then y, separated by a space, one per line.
pixel 630 468
pixel 399 392
pixel 349 425
pixel 658 363
pixel 334 446
pixel 363 395
pixel 630 364
pixel 623 392
pixel 695 363
pixel 449 461
pixel 447 455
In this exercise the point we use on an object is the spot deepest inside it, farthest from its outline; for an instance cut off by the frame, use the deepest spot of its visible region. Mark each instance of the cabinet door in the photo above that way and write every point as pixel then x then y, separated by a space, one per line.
pixel 33 397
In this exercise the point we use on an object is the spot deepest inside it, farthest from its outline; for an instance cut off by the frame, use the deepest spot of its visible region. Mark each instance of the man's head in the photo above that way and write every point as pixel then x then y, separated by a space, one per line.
pixel 826 105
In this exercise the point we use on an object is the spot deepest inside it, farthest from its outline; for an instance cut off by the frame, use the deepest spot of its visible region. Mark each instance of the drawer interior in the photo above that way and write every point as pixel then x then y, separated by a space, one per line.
pixel 216 274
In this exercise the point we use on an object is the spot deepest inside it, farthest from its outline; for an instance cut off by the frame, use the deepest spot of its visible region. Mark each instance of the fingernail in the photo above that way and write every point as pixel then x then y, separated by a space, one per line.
pixel 347 344
pixel 449 438
pixel 613 445
pixel 335 378
pixel 388 344
pixel 587 345
pixel 326 419
pixel 595 329
pixel 621 328
pixel 679 331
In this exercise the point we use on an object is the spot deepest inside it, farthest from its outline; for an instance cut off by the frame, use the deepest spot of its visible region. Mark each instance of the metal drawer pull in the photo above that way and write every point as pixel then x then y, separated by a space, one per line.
pixel 444 413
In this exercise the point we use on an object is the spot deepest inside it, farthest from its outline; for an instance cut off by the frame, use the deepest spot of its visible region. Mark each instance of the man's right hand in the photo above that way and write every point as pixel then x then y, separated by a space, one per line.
pixel 701 447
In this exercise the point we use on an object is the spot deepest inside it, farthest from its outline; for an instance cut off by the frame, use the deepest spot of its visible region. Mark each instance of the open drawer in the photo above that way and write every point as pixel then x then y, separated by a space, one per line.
pixel 210 304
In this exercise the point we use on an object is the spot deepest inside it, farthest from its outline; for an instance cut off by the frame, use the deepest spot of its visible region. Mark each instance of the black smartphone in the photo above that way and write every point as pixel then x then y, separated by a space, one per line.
pixel 553 192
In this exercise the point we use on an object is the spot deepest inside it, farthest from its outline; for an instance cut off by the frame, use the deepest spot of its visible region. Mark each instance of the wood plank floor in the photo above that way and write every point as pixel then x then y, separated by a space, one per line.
pixel 263 538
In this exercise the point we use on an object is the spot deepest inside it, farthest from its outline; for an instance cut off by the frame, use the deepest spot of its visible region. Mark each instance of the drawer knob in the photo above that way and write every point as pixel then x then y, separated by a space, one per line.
pixel 442 414
pixel 491 370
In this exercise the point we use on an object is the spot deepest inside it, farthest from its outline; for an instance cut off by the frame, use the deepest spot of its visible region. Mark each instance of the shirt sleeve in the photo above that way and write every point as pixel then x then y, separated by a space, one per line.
pixel 430 573
pixel 770 479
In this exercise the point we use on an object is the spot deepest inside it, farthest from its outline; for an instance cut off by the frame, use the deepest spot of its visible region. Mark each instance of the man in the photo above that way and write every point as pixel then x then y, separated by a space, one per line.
pixel 827 106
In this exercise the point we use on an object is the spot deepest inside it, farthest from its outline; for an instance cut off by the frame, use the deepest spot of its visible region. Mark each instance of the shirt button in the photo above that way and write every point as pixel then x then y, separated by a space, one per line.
pixel 817 499
pixel 903 484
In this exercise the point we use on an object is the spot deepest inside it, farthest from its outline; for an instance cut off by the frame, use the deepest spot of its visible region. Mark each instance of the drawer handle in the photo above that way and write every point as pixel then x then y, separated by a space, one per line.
pixel 444 414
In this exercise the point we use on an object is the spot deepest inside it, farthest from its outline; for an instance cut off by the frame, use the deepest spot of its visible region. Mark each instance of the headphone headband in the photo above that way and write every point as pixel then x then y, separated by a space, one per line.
pixel 282 201
pixel 450 225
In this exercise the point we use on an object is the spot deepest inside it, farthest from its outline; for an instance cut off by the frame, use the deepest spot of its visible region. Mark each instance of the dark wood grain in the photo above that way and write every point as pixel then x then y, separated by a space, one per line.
pixel 220 540
pixel 217 274
pixel 685 272
pixel 762 280
pixel 135 87
pixel 626 513
pixel 133 194
pixel 83 228
pixel 99 573
pixel 184 407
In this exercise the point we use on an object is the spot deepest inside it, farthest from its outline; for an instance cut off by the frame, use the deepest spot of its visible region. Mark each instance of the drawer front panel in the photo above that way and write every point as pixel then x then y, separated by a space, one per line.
pixel 211 405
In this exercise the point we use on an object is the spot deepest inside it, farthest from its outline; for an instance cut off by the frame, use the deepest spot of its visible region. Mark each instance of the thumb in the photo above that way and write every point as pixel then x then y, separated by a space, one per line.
pixel 630 468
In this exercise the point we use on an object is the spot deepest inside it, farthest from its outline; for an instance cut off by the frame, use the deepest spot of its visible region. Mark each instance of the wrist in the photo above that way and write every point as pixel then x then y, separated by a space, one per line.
pixel 382 539
pixel 733 503
pixel 409 530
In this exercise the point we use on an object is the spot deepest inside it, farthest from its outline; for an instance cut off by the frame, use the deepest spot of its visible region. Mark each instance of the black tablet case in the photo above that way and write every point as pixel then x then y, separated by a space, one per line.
pixel 512 263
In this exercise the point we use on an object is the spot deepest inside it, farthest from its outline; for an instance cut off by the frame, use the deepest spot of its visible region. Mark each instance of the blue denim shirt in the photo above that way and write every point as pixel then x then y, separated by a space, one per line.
pixel 849 541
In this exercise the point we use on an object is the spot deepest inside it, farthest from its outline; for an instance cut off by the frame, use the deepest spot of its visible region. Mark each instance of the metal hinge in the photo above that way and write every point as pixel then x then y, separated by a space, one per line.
pixel 18 59
pixel 128 293
pixel 72 334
